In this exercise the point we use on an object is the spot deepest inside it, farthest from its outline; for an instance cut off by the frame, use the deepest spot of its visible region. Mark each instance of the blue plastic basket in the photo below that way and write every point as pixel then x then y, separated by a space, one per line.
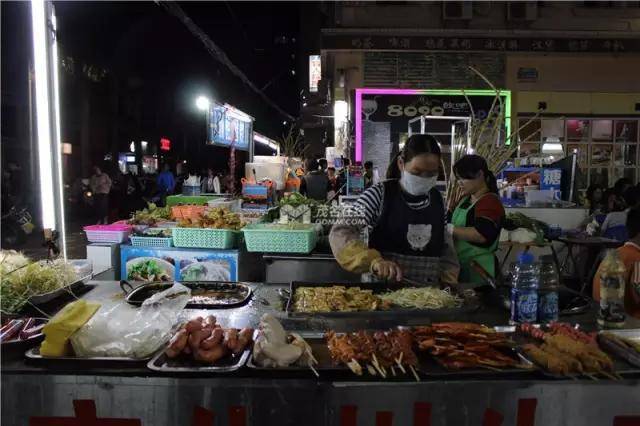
pixel 266 238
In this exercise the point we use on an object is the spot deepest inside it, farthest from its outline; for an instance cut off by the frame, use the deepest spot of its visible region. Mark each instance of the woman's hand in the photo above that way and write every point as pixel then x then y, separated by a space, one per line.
pixel 386 269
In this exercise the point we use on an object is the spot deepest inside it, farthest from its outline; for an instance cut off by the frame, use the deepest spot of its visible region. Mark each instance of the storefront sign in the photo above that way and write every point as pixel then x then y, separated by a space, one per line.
pixel 469 44
pixel 398 106
pixel 165 144
pixel 550 179
pixel 315 72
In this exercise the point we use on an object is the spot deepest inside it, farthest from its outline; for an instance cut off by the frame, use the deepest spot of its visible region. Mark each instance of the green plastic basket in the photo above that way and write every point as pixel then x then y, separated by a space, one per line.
pixel 205 238
pixel 138 241
pixel 261 237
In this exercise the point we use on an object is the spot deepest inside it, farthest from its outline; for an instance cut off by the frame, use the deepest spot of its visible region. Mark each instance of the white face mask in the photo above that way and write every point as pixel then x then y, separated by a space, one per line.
pixel 417 185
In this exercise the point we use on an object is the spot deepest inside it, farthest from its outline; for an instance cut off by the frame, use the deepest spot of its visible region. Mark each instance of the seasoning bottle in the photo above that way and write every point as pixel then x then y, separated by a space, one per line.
pixel 611 313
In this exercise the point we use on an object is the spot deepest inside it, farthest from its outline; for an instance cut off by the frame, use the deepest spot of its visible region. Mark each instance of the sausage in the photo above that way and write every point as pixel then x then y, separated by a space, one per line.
pixel 210 356
pixel 214 340
pixel 11 329
pixel 244 338
pixel 210 321
pixel 194 324
pixel 230 338
pixel 177 343
pixel 197 337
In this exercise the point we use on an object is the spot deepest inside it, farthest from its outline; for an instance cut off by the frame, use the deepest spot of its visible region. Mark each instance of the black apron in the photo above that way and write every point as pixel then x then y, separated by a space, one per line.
pixel 410 231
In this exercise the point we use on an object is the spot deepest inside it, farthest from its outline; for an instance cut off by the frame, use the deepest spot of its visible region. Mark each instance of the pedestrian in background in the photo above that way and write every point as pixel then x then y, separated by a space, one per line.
pixel 101 186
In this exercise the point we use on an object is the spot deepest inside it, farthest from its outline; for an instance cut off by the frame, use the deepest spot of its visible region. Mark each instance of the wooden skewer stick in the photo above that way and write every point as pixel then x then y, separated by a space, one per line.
pixel 414 373
pixel 377 366
pixel 371 370
pixel 393 371
pixel 314 370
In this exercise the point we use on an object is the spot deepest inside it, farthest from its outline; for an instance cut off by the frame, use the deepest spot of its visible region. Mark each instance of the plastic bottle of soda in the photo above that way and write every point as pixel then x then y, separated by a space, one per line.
pixel 524 291
pixel 548 291
pixel 611 313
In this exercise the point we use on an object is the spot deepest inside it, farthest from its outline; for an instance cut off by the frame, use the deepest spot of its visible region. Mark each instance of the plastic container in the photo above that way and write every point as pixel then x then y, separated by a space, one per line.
pixel 82 267
pixel 267 238
pixel 107 233
pixel 191 190
pixel 205 238
pixel 187 212
pixel 231 205
pixel 160 242
pixel 548 290
pixel 524 291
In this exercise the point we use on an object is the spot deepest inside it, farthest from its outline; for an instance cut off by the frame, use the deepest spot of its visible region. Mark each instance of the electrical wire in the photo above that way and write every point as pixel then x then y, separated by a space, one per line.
pixel 218 53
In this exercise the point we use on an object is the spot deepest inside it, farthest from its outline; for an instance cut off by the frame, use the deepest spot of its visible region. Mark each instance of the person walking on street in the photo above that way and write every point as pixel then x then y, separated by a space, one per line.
pixel 101 186
pixel 165 183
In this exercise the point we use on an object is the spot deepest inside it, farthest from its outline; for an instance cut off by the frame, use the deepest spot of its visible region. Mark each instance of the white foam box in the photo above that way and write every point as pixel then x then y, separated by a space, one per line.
pixel 104 256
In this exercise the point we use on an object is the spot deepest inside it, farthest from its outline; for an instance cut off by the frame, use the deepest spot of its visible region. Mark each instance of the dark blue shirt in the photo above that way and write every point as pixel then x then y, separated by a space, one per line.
pixel 166 182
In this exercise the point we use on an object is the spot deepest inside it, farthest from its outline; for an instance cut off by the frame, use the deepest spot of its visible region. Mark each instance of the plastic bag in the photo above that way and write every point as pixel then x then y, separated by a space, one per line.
pixel 122 330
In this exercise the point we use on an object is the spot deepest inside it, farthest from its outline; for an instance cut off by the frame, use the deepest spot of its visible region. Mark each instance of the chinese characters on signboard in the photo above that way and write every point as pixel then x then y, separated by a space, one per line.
pixel 315 72
pixel 505 44
pixel 550 179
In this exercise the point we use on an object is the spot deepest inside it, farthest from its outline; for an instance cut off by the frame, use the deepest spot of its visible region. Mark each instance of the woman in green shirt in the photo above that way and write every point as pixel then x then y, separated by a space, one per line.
pixel 477 220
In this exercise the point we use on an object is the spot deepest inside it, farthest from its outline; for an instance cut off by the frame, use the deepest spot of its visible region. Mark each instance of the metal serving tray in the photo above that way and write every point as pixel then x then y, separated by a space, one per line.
pixel 319 350
pixel 470 305
pixel 620 366
pixel 34 354
pixel 41 299
pixel 430 365
pixel 186 364
pixel 136 296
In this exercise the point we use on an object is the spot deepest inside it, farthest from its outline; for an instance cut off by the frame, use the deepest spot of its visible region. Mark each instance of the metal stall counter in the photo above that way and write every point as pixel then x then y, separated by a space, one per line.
pixel 37 390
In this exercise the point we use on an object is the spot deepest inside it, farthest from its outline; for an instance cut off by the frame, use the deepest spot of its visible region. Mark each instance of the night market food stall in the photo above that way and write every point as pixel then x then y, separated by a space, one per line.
pixel 179 351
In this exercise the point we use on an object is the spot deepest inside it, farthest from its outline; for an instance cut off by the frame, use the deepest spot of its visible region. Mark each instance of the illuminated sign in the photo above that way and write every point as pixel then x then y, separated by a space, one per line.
pixel 397 106
pixel 165 144
pixel 315 72
pixel 229 126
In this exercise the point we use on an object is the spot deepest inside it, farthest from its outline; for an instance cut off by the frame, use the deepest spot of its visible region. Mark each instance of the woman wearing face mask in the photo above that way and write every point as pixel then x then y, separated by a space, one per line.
pixel 405 220
pixel 477 220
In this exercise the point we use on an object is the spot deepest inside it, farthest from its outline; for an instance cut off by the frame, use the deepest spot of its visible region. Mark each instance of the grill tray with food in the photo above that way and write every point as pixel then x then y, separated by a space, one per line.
pixel 371 300
pixel 204 294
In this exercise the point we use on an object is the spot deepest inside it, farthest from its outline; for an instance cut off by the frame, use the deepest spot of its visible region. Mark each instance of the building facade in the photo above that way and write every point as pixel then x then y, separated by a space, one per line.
pixel 575 64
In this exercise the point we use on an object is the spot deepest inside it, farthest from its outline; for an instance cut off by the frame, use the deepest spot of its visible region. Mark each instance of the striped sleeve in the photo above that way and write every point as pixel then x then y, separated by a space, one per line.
pixel 371 204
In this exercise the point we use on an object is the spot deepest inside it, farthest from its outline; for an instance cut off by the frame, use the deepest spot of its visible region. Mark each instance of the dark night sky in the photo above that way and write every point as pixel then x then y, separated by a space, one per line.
pixel 141 39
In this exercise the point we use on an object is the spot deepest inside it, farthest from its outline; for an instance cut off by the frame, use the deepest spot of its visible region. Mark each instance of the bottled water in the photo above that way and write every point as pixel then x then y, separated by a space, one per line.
pixel 548 291
pixel 524 291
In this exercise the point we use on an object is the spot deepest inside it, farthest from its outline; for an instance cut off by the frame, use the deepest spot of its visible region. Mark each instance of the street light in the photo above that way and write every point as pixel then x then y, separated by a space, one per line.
pixel 202 103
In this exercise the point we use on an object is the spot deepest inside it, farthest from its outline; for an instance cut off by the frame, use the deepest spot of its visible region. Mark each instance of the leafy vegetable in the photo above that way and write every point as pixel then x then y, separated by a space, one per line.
pixel 216 218
pixel 148 270
pixel 150 215
pixel 519 220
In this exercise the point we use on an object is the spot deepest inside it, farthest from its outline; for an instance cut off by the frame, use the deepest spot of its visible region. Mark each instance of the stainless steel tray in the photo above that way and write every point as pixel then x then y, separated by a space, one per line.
pixel 320 352
pixel 48 297
pixel 632 333
pixel 34 354
pixel 186 364
pixel 136 296
pixel 444 314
